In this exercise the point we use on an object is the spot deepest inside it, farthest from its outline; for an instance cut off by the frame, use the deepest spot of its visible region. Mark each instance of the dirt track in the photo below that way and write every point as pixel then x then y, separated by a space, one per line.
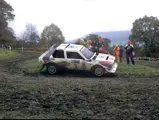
pixel 73 96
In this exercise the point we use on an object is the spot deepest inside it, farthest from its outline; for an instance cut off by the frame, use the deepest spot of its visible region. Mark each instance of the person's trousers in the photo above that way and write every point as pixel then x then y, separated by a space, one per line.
pixel 117 58
pixel 131 57
pixel 121 59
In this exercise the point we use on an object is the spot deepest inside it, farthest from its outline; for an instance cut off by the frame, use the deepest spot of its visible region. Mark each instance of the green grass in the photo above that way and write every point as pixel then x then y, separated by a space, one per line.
pixel 30 65
pixel 147 61
pixel 136 70
pixel 31 51
pixel 122 70
pixel 6 54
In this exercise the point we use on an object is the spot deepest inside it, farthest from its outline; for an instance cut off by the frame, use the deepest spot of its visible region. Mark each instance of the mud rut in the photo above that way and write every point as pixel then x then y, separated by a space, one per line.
pixel 10 65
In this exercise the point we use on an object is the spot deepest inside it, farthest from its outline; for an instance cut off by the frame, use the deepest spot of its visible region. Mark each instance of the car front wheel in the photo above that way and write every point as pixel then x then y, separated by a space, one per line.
pixel 98 71
pixel 52 69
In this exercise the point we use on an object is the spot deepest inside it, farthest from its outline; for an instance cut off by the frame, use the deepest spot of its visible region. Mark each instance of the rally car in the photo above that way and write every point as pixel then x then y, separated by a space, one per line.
pixel 77 57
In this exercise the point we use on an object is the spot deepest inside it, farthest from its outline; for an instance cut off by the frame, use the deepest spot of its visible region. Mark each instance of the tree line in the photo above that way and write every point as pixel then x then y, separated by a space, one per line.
pixel 144 34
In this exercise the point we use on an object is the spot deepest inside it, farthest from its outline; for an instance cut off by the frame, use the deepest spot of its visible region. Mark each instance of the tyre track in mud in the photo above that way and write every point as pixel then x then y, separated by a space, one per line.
pixel 10 65
pixel 23 56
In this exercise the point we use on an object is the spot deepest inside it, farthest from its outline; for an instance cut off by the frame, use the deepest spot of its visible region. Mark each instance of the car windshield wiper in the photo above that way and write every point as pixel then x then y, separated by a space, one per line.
pixel 94 57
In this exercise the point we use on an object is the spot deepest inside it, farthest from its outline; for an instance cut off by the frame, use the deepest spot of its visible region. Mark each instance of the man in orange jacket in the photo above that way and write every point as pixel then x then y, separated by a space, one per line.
pixel 117 53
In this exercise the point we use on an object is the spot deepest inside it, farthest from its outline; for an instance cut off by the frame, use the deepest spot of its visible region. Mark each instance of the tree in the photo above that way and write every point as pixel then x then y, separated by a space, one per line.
pixel 145 33
pixel 95 40
pixel 6 11
pixel 6 15
pixel 80 42
pixel 52 35
pixel 22 40
pixel 20 43
pixel 30 34
pixel 6 33
pixel 107 42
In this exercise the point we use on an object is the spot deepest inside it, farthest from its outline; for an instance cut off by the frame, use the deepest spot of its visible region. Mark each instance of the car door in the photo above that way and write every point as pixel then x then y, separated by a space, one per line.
pixel 74 60
pixel 59 58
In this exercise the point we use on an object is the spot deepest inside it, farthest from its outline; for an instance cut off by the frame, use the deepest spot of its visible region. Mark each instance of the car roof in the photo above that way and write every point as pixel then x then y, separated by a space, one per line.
pixel 62 46
pixel 69 47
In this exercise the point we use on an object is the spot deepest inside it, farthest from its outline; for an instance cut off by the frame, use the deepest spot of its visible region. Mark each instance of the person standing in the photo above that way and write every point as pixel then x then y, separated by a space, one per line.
pixel 93 46
pixel 9 47
pixel 103 50
pixel 89 42
pixel 130 52
pixel 117 53
pixel 121 53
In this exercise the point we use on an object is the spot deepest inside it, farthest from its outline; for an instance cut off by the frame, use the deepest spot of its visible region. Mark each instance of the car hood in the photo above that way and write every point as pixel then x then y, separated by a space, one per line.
pixel 105 58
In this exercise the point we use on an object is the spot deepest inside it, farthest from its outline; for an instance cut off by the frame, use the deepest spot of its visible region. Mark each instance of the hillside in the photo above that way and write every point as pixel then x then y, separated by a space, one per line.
pixel 116 37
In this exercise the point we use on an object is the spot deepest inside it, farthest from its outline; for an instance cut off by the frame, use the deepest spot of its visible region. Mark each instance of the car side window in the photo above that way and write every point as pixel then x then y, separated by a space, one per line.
pixel 73 55
pixel 58 54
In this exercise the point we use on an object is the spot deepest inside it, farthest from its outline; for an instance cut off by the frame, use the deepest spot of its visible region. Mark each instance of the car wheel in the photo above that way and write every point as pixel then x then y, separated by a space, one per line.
pixel 98 71
pixel 52 69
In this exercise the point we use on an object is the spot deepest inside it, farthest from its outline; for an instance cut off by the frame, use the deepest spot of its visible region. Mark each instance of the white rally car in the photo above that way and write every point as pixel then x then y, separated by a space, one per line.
pixel 77 57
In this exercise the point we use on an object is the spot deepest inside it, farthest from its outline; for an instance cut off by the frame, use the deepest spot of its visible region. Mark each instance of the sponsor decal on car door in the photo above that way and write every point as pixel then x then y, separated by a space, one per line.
pixel 74 64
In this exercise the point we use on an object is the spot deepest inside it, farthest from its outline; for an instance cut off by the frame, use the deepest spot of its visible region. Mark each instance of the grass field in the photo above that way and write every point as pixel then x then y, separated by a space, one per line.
pixel 31 65
pixel 6 54
pixel 122 70
pixel 136 70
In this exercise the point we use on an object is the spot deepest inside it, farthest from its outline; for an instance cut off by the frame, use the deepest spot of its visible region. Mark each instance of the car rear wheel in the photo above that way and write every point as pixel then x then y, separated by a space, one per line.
pixel 52 69
pixel 98 71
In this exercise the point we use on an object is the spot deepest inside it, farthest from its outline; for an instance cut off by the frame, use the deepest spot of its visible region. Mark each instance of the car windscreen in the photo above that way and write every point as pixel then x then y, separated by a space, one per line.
pixel 87 53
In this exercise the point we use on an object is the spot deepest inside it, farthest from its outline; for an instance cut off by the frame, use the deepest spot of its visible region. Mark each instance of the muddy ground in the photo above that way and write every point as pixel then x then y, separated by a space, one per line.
pixel 75 95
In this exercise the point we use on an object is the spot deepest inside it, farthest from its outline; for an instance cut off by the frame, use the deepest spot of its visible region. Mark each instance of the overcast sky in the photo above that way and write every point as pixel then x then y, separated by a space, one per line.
pixel 79 17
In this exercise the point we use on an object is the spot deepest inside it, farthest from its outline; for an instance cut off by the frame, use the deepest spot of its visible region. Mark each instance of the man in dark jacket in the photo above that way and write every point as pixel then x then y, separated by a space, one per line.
pixel 121 53
pixel 129 52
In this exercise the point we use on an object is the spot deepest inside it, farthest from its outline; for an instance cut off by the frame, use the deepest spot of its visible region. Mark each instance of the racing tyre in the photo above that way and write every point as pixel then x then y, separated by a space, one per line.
pixel 52 69
pixel 98 71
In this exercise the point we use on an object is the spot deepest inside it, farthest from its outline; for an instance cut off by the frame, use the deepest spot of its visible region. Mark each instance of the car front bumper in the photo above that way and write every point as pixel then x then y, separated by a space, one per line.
pixel 114 68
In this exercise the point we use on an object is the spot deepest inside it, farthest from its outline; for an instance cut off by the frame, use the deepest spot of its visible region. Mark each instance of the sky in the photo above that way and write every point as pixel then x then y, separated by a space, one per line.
pixel 77 18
